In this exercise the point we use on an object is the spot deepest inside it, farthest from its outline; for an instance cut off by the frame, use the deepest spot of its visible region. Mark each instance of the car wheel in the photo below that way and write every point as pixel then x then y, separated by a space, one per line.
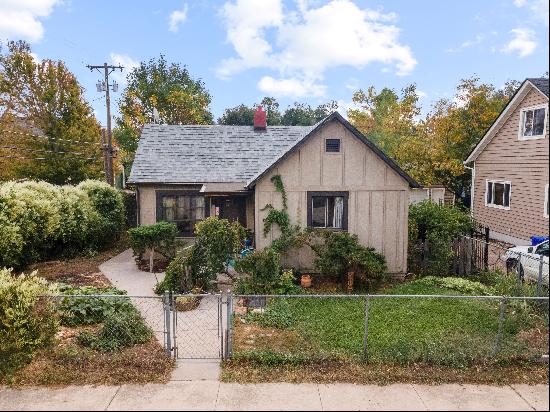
pixel 511 265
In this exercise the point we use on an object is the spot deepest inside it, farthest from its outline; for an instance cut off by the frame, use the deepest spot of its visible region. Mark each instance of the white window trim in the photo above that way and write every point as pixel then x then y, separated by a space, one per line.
pixel 546 200
pixel 509 197
pixel 521 122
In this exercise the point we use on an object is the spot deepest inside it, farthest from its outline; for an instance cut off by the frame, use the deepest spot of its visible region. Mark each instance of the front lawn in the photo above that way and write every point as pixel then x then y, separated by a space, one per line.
pixel 432 331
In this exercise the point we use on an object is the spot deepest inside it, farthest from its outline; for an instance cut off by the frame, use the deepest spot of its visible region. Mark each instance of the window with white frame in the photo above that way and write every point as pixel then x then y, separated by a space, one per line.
pixel 533 122
pixel 546 201
pixel 497 194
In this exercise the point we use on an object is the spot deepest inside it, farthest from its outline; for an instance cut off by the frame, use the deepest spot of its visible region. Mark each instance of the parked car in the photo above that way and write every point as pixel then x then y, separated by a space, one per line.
pixel 526 259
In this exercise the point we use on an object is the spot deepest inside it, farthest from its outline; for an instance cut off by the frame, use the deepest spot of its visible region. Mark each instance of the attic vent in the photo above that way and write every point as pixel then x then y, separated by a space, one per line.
pixel 332 145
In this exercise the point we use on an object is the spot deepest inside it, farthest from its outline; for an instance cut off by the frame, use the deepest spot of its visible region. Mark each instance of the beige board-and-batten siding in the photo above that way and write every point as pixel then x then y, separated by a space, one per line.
pixel 523 163
pixel 378 196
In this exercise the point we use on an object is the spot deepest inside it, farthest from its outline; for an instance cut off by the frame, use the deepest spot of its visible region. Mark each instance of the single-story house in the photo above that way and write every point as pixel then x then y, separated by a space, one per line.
pixel 510 193
pixel 335 179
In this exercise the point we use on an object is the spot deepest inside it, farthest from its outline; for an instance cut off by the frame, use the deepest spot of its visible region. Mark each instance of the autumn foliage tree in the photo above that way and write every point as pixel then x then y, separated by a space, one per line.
pixel 431 148
pixel 47 129
pixel 165 88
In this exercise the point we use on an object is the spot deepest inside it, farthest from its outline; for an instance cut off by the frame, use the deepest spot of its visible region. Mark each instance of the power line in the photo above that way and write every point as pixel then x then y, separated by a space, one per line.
pixel 48 158
pixel 46 137
pixel 42 150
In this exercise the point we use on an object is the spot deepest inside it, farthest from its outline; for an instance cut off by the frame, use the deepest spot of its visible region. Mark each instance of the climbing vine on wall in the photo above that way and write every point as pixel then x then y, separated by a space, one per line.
pixel 291 235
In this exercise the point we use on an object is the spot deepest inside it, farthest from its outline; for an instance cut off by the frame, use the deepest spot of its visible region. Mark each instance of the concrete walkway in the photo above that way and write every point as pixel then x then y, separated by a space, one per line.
pixel 197 333
pixel 212 395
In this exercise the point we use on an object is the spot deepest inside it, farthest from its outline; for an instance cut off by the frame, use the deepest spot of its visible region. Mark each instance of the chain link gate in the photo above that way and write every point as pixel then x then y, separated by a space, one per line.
pixel 194 326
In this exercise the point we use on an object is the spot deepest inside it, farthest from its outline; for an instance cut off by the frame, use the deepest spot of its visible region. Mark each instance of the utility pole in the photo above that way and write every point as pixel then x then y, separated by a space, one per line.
pixel 103 86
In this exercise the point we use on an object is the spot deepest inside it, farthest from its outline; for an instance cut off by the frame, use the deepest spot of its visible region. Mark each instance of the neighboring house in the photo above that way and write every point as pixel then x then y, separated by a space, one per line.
pixel 335 178
pixel 436 193
pixel 510 168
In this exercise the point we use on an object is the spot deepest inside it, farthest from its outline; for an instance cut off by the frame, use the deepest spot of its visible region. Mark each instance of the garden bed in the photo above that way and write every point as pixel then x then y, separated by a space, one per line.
pixel 68 363
pixel 82 270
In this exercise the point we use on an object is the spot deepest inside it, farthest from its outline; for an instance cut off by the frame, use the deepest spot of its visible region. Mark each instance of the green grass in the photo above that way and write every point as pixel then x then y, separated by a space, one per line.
pixel 451 332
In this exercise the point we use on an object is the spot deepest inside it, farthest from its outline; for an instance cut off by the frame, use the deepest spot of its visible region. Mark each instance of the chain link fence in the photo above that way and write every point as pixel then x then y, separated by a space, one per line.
pixel 443 330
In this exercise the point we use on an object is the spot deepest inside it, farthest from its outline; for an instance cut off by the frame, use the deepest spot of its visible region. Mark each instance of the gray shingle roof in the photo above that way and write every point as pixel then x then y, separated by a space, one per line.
pixel 209 153
pixel 540 83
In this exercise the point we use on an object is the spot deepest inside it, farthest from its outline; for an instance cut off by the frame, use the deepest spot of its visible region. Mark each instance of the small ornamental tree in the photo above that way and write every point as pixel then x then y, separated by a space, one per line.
pixel 159 238
pixel 217 240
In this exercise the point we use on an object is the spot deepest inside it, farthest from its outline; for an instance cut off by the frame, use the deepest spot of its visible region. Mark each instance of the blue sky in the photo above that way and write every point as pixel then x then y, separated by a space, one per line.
pixel 306 51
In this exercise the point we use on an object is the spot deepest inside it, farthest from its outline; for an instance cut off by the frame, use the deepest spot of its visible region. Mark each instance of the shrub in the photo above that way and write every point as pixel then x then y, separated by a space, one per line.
pixel 263 275
pixel 90 310
pixel 27 319
pixel 39 220
pixel 463 286
pixel 341 252
pixel 109 204
pixel 216 242
pixel 159 238
pixel 437 225
pixel 120 330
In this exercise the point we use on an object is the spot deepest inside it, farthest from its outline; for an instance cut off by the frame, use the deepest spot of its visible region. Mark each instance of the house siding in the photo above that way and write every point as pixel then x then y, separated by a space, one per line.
pixel 524 163
pixel 378 196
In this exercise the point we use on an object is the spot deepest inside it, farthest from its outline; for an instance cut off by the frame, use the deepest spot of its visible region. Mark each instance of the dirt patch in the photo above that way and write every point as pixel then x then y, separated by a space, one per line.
pixel 381 374
pixel 187 303
pixel 253 337
pixel 79 271
pixel 70 364
pixel 536 340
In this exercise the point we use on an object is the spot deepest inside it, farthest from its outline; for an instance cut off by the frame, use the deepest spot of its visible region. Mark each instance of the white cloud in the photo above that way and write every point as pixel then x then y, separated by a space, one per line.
pixel 20 19
pixel 523 42
pixel 122 60
pixel 176 18
pixel 539 9
pixel 292 87
pixel 467 44
pixel 302 44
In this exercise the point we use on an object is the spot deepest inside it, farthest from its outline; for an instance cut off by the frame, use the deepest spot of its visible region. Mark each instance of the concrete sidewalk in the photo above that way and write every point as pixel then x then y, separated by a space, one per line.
pixel 212 395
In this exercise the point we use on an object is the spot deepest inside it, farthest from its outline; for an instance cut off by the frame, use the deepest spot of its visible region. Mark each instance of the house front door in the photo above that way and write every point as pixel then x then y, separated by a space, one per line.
pixel 231 208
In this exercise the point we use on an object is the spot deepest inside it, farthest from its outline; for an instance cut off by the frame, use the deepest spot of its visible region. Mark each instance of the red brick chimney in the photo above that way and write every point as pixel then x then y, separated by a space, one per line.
pixel 260 119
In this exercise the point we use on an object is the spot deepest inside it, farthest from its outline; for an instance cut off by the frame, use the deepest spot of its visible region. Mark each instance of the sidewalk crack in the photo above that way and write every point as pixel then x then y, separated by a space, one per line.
pixel 525 400
pixel 217 396
pixel 320 400
pixel 419 397
pixel 111 401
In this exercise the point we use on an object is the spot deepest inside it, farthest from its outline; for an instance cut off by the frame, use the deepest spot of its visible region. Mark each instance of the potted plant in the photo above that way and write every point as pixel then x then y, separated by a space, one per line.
pixel 305 281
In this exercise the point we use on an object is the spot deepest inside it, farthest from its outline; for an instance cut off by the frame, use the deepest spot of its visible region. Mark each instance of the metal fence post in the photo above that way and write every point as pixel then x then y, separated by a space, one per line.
pixel 539 279
pixel 486 250
pixel 167 323
pixel 229 331
pixel 366 334
pixel 498 341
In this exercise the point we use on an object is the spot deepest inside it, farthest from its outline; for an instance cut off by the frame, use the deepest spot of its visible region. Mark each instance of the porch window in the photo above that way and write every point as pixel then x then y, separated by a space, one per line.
pixel 498 194
pixel 328 210
pixel 533 123
pixel 185 209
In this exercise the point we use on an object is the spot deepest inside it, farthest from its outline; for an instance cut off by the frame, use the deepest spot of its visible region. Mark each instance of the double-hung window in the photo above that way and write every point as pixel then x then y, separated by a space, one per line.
pixel 183 208
pixel 532 123
pixel 327 210
pixel 497 194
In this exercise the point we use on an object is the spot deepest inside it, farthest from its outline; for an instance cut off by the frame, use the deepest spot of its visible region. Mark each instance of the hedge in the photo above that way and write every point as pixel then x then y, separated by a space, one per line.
pixel 39 220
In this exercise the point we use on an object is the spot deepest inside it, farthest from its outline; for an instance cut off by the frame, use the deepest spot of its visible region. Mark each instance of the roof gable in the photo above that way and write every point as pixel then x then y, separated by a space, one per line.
pixel 335 116
pixel 512 104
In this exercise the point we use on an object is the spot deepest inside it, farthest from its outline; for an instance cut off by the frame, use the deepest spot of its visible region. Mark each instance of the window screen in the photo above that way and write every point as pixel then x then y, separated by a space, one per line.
pixel 533 122
pixel 498 194
pixel 184 209
pixel 332 145
pixel 327 210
